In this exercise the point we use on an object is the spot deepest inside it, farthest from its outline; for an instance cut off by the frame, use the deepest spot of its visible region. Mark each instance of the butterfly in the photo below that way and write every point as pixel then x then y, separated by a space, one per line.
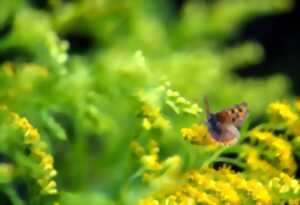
pixel 223 125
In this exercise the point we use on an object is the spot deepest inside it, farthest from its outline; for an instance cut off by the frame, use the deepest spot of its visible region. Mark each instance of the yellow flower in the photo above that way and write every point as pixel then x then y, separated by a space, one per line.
pixel 146 124
pixel 151 162
pixel 172 165
pixel 285 183
pixel 47 162
pixel 198 134
pixel 21 121
pixel 281 147
pixel 137 148
pixel 154 149
pixel 227 192
pixel 162 123
pixel 224 189
pixel 235 179
pixel 148 201
pixel 281 110
pixel 256 164
pixel 150 112
pixel 48 186
pixel 31 134
pixel 39 152
pixel 152 118
pixel 32 138
pixel 259 192
pixel 199 196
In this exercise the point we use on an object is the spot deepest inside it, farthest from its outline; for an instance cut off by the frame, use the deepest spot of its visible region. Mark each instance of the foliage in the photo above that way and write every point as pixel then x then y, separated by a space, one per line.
pixel 99 98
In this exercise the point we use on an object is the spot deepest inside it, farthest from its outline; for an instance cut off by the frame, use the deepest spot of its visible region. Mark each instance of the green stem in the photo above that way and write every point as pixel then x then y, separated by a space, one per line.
pixel 15 199
pixel 213 157
pixel 136 175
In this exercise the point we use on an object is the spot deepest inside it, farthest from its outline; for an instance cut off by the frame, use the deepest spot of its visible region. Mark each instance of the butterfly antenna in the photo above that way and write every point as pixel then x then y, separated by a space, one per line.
pixel 206 106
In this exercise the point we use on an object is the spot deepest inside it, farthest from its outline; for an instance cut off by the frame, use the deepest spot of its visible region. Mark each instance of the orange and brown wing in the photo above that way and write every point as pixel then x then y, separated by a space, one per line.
pixel 235 115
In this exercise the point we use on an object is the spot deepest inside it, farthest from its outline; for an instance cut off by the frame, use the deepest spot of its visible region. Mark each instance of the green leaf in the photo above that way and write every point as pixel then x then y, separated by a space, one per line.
pixel 54 127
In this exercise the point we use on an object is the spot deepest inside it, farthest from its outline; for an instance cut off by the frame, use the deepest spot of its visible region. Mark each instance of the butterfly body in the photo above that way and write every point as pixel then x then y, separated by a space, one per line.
pixel 223 126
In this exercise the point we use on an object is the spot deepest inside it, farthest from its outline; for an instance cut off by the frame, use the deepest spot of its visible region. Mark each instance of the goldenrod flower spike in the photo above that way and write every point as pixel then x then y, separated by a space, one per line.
pixel 282 111
pixel 32 138
pixel 283 150
pixel 198 134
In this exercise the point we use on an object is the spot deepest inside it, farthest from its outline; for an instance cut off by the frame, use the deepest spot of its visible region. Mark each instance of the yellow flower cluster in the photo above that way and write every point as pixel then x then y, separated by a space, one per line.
pixel 198 134
pixel 151 164
pixel 152 118
pixel 46 161
pixel 254 188
pixel 31 134
pixel 150 161
pixel 137 149
pixel 148 201
pixel 282 149
pixel 282 110
pixel 229 185
pixel 284 183
pixel 185 194
pixel 32 138
pixel 213 187
pixel 255 163
pixel 188 193
pixel 259 192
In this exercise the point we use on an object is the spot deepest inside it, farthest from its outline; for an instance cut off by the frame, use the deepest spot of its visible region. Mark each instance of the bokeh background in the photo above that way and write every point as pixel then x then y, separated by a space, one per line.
pixel 102 101
pixel 281 57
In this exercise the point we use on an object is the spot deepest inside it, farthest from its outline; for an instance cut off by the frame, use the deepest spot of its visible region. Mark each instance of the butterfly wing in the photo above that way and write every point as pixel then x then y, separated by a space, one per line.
pixel 235 115
pixel 229 134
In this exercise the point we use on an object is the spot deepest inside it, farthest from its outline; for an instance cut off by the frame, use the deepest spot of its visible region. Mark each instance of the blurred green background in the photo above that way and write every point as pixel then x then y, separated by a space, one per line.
pixel 76 69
